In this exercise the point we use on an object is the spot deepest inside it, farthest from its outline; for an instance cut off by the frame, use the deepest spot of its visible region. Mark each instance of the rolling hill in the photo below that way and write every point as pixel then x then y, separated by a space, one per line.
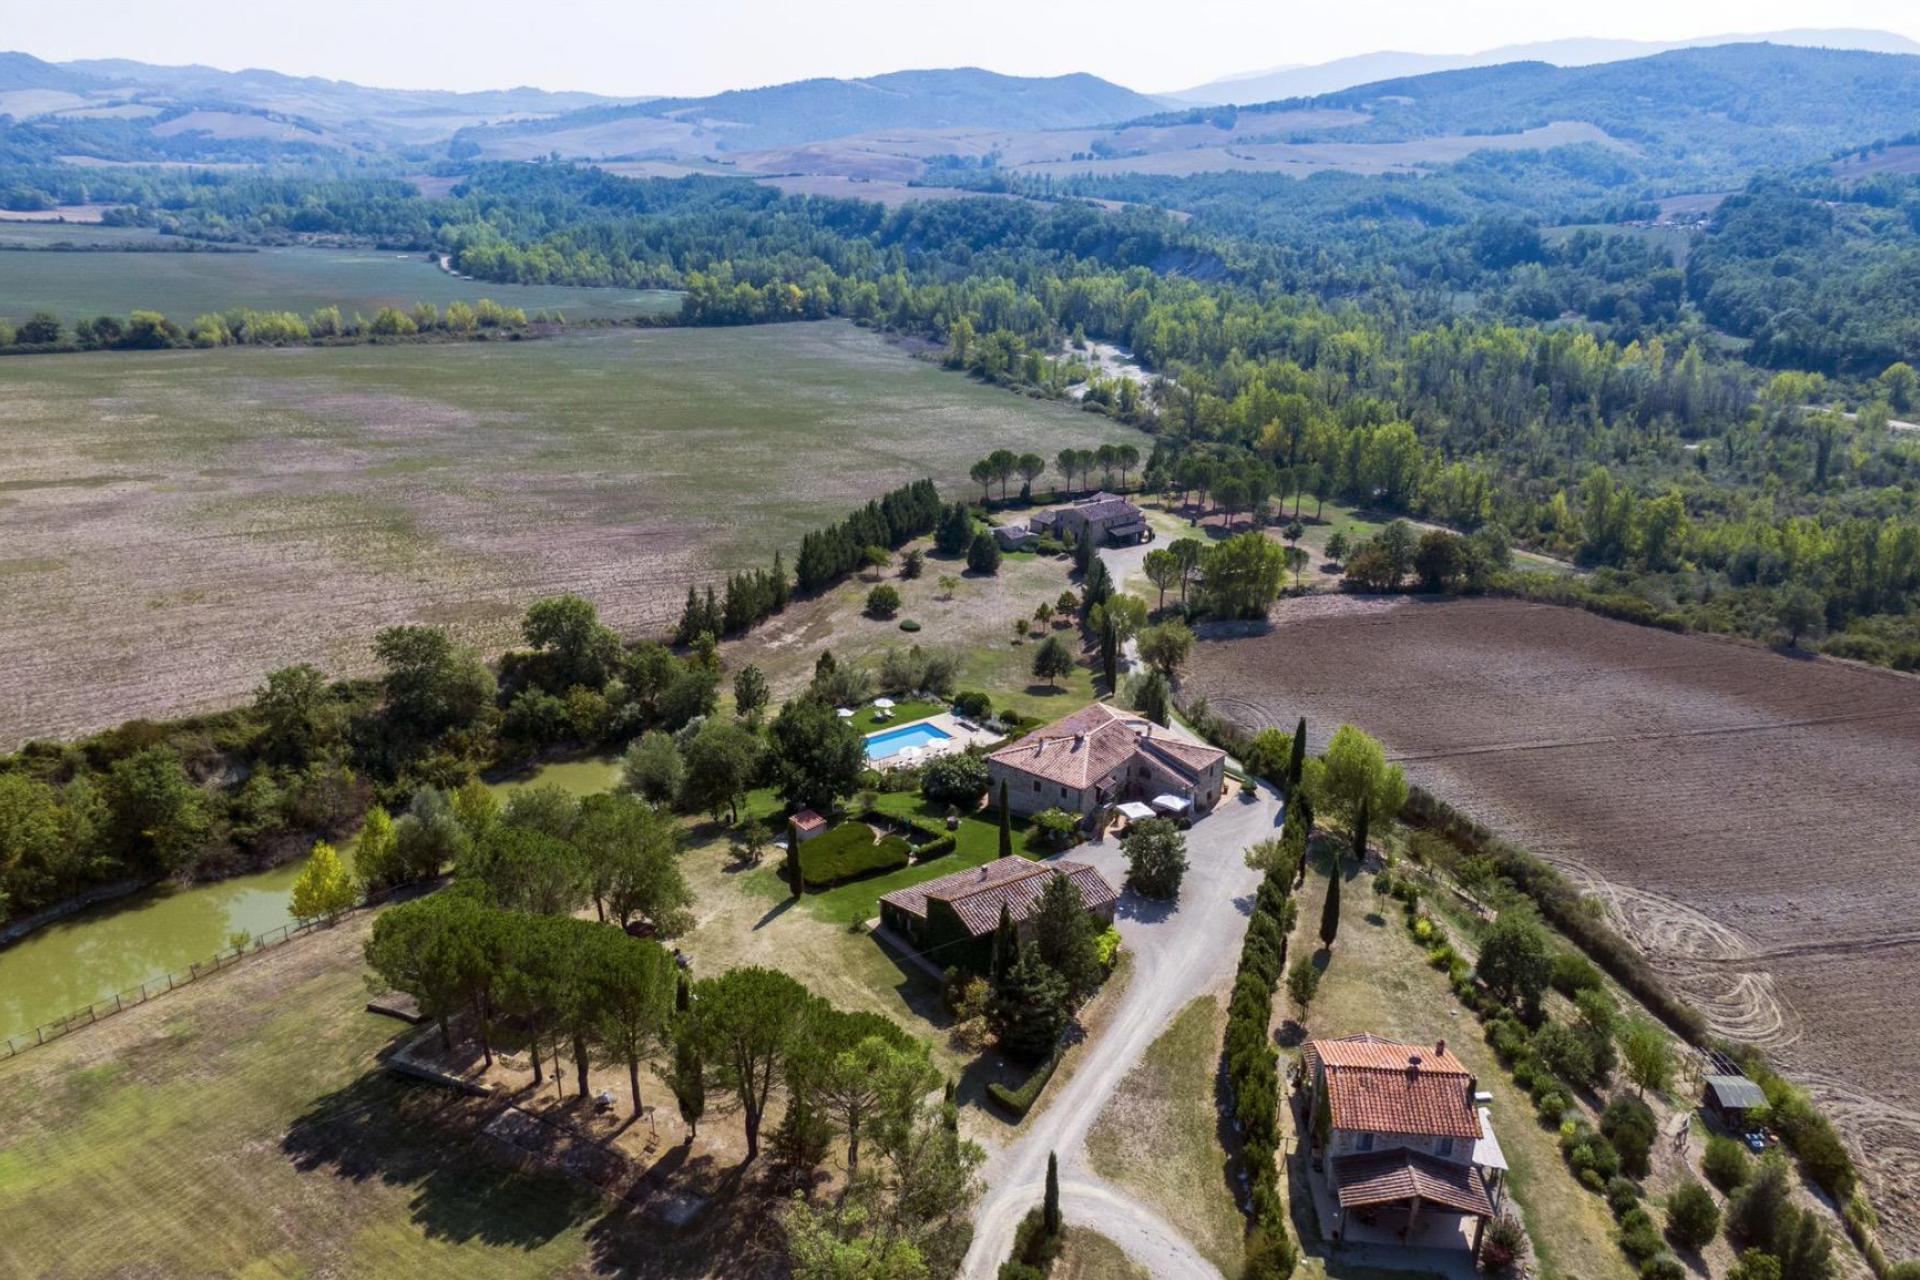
pixel 65 103
pixel 816 110
pixel 1297 80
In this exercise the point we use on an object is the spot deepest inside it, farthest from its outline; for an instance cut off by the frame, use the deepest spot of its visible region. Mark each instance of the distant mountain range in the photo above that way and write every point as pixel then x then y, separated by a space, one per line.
pixel 241 104
pixel 1296 80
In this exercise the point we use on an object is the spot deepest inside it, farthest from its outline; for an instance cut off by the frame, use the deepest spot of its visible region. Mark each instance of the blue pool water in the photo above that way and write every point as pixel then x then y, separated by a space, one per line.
pixel 882 746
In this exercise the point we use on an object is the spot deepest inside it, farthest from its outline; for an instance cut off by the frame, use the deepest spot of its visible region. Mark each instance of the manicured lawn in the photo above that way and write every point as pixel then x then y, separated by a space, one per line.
pixel 978 841
pixel 867 718
pixel 1160 1135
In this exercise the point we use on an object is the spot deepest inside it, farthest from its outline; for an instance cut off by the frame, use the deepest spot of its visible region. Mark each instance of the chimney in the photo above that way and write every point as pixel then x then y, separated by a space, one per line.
pixel 1440 1048
pixel 1413 1067
pixel 1079 740
pixel 1473 1090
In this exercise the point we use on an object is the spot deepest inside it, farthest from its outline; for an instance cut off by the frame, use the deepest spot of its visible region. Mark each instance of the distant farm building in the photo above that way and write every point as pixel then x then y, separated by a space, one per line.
pixel 1104 517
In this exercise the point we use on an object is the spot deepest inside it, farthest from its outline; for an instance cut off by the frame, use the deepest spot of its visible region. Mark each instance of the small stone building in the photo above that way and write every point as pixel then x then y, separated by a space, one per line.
pixel 952 920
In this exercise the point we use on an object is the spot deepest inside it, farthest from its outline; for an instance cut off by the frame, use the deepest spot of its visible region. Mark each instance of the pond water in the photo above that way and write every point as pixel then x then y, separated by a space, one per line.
pixel 118 945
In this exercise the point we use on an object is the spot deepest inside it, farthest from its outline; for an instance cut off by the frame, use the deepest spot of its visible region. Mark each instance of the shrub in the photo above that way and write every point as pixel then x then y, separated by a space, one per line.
pixel 1622 1195
pixel 1106 947
pixel 883 601
pixel 1639 1239
pixel 1506 1244
pixel 1573 974
pixel 1570 1054
pixel 849 850
pixel 908 624
pixel 955 779
pixel 1017 1102
pixel 1727 1164
pixel 1630 1127
pixel 972 704
pixel 1034 1247
pixel 1056 827
pixel 1693 1219
pixel 1663 1266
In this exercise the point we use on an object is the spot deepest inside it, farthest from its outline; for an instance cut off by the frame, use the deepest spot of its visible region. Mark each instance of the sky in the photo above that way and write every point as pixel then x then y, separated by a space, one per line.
pixel 691 47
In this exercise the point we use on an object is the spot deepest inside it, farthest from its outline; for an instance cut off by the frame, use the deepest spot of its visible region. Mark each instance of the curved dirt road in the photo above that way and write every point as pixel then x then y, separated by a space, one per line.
pixel 1180 950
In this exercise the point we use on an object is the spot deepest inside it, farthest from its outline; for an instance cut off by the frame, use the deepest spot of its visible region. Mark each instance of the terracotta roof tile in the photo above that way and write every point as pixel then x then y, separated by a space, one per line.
pixel 1377 1086
pixel 1394 1177
pixel 977 894
pixel 1094 741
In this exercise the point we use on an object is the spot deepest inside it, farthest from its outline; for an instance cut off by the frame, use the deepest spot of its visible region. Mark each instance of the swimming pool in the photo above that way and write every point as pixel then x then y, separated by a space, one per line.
pixel 884 746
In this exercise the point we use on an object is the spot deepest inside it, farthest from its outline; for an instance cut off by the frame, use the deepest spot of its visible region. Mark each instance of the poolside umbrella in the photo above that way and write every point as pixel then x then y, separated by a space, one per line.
pixel 885 704
pixel 844 713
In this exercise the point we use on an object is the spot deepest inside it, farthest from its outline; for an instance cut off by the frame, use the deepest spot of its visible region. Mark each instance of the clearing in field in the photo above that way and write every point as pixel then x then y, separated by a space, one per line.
pixel 176 524
pixel 183 285
pixel 1745 816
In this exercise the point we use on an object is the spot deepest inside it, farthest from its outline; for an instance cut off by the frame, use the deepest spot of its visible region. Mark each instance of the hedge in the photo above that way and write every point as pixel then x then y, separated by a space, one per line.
pixel 848 851
pixel 1017 1102
pixel 931 839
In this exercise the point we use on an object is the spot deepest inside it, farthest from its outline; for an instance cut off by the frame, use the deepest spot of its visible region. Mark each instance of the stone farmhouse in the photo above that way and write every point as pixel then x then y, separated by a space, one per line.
pixel 1100 757
pixel 1405 1153
pixel 1104 517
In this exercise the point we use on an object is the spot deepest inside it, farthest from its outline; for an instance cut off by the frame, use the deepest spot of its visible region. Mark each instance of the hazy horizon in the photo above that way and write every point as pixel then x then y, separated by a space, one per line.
pixel 676 48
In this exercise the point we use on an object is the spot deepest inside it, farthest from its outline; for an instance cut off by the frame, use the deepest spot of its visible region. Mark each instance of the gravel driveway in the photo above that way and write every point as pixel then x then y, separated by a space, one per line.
pixel 1180 950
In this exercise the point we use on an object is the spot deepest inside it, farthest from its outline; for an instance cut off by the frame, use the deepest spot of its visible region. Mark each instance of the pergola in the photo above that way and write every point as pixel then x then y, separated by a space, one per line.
pixel 1400 1181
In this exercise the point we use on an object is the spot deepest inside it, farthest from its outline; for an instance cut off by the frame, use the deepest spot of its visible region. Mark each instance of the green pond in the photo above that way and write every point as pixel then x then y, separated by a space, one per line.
pixel 116 946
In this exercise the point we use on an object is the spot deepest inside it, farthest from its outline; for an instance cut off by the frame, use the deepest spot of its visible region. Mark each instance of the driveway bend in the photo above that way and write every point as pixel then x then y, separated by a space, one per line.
pixel 1180 950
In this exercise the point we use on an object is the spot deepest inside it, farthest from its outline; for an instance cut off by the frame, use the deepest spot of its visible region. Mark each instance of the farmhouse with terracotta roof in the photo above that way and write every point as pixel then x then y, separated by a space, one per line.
pixel 1405 1151
pixel 1099 757
pixel 954 917
pixel 1103 517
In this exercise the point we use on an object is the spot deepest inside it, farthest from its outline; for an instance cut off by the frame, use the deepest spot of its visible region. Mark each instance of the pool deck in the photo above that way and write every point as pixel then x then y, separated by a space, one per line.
pixel 961 735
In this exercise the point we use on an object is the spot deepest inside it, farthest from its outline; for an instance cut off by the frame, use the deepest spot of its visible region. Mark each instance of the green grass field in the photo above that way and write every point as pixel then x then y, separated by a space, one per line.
pixel 176 524
pixel 153 1145
pixel 184 285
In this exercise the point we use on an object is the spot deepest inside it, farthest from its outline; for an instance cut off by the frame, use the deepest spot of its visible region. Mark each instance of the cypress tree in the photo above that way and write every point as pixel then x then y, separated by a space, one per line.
pixel 1006 824
pixel 793 861
pixel 1297 763
pixel 1050 1212
pixel 1006 948
pixel 1330 912
pixel 1360 833
pixel 683 995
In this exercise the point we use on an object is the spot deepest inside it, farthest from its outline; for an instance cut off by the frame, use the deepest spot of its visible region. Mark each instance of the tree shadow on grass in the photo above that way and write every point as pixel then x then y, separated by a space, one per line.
pixel 419 1137
pixel 732 1231
pixel 774 912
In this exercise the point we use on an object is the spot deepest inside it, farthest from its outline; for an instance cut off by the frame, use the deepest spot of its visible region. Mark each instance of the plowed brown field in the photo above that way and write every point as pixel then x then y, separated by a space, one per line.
pixel 1746 817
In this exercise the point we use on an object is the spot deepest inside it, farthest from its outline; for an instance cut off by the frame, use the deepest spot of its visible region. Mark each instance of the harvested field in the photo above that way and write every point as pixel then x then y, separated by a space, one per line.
pixel 1745 817
pixel 176 524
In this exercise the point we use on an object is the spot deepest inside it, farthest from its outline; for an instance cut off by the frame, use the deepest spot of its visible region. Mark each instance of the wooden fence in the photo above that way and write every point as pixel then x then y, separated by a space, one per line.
pixel 133 997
